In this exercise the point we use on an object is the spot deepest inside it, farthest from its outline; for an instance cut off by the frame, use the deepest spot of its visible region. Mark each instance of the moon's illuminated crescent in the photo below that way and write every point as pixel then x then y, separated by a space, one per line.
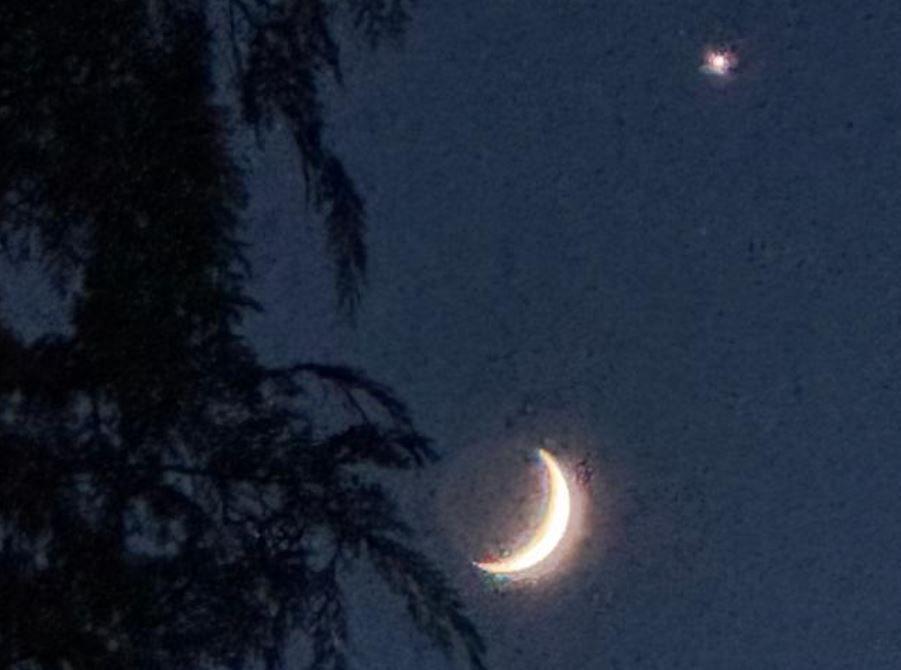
pixel 549 533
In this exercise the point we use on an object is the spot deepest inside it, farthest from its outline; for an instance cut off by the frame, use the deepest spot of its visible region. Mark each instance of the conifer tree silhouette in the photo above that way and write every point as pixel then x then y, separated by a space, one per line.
pixel 167 501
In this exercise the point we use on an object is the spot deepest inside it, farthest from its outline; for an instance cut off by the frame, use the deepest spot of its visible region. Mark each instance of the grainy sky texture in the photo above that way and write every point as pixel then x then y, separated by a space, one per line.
pixel 575 236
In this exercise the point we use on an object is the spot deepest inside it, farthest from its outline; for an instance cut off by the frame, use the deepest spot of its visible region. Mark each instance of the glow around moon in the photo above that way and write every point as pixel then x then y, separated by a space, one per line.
pixel 551 530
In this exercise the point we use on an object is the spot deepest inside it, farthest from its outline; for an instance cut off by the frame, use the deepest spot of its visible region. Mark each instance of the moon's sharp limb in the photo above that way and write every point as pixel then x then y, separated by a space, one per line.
pixel 550 532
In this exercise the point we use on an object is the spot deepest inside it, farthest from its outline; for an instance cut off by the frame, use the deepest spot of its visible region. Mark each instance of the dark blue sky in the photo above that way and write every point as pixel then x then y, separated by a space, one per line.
pixel 576 237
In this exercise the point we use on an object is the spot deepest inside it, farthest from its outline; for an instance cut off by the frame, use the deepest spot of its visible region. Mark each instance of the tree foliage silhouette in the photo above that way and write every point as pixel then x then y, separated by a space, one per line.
pixel 166 501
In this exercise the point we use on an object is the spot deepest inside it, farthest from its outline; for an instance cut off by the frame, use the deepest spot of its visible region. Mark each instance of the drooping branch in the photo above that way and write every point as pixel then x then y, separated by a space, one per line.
pixel 177 495
pixel 289 51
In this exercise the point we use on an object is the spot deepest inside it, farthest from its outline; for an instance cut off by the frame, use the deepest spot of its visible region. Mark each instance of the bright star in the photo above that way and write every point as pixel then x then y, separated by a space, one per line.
pixel 719 62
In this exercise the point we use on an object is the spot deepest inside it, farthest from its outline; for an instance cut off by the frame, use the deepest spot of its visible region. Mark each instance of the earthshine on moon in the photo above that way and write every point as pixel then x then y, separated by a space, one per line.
pixel 550 532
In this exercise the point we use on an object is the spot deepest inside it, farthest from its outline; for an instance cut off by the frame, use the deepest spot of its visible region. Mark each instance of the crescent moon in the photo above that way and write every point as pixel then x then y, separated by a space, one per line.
pixel 550 532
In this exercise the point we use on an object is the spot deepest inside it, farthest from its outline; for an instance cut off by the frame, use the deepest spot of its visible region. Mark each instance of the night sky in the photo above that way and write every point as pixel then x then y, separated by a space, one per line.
pixel 579 240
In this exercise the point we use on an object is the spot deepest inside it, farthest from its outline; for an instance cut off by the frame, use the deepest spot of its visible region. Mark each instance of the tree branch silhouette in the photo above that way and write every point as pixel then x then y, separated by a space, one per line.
pixel 167 501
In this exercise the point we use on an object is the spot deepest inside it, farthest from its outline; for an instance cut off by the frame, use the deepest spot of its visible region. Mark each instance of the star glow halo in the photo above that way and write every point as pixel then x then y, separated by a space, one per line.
pixel 719 62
